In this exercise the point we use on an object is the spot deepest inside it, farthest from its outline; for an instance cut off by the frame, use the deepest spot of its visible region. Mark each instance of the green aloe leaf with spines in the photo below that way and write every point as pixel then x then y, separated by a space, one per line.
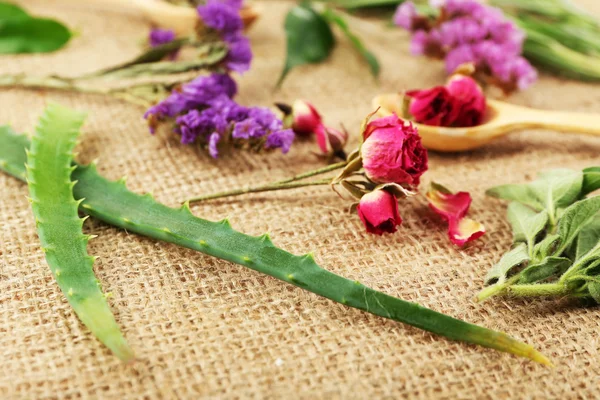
pixel 48 170
pixel 113 203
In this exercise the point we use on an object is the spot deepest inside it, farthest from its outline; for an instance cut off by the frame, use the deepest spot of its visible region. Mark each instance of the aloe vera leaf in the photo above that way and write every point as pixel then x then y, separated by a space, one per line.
pixel 112 203
pixel 49 167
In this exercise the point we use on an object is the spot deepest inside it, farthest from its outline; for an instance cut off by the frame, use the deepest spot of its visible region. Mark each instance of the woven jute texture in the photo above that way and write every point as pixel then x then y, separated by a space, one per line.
pixel 204 328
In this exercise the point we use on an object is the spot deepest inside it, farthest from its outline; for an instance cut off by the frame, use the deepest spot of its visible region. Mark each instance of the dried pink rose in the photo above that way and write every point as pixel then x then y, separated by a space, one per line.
pixel 392 152
pixel 435 106
pixel 306 119
pixel 378 211
pixel 453 207
pixel 469 98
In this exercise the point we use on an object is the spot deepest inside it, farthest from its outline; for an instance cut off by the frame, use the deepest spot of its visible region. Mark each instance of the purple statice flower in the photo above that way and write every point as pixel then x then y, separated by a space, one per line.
pixel 224 17
pixel 239 56
pixel 160 36
pixel 470 32
pixel 195 94
pixel 405 14
pixel 200 123
pixel 247 129
pixel 282 139
pixel 221 16
pixel 213 142
pixel 265 118
pixel 426 42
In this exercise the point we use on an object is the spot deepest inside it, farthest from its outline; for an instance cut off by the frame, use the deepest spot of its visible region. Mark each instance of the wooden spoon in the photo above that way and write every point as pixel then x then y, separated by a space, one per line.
pixel 500 119
pixel 160 13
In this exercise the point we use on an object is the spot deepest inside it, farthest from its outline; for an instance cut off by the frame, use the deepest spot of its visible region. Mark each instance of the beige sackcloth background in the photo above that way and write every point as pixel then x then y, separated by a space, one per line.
pixel 205 328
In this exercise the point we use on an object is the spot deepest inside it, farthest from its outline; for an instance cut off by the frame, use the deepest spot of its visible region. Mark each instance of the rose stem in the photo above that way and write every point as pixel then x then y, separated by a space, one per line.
pixel 257 189
pixel 319 171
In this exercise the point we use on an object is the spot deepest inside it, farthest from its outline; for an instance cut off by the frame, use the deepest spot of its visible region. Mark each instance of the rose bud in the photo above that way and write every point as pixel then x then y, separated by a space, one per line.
pixel 453 207
pixel 435 106
pixel 306 119
pixel 378 211
pixel 392 152
pixel 470 100
pixel 331 140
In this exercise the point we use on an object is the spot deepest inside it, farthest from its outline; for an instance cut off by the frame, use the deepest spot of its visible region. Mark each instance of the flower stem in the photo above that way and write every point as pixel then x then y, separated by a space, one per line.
pixel 319 171
pixel 496 289
pixel 539 289
pixel 265 188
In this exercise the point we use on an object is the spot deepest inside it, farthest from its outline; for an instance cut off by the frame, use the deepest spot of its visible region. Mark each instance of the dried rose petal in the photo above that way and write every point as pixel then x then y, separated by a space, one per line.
pixel 453 207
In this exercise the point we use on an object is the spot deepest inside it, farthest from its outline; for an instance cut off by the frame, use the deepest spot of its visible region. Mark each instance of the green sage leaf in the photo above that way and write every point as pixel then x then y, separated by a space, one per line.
pixel 499 272
pixel 546 247
pixel 549 267
pixel 309 38
pixel 369 57
pixel 20 33
pixel 588 238
pixel 594 289
pixel 521 193
pixel 575 218
pixel 526 223
pixel 591 180
pixel 557 188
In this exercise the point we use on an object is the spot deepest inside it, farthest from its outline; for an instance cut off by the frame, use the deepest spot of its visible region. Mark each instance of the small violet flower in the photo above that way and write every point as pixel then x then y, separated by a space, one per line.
pixel 392 152
pixel 453 207
pixel 378 211
pixel 468 31
pixel 158 37
pixel 224 18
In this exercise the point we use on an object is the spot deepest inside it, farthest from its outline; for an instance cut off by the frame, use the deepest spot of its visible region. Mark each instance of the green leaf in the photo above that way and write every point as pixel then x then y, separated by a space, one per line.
pixel 11 11
pixel 588 238
pixel 521 193
pixel 32 35
pixel 544 248
pixel 339 20
pixel 514 258
pixel 591 180
pixel 557 188
pixel 549 267
pixel 594 289
pixel 526 223
pixel 575 218
pixel 309 38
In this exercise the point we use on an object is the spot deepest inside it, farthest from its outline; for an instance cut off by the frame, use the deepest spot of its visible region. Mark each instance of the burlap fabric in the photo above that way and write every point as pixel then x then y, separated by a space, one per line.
pixel 202 327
